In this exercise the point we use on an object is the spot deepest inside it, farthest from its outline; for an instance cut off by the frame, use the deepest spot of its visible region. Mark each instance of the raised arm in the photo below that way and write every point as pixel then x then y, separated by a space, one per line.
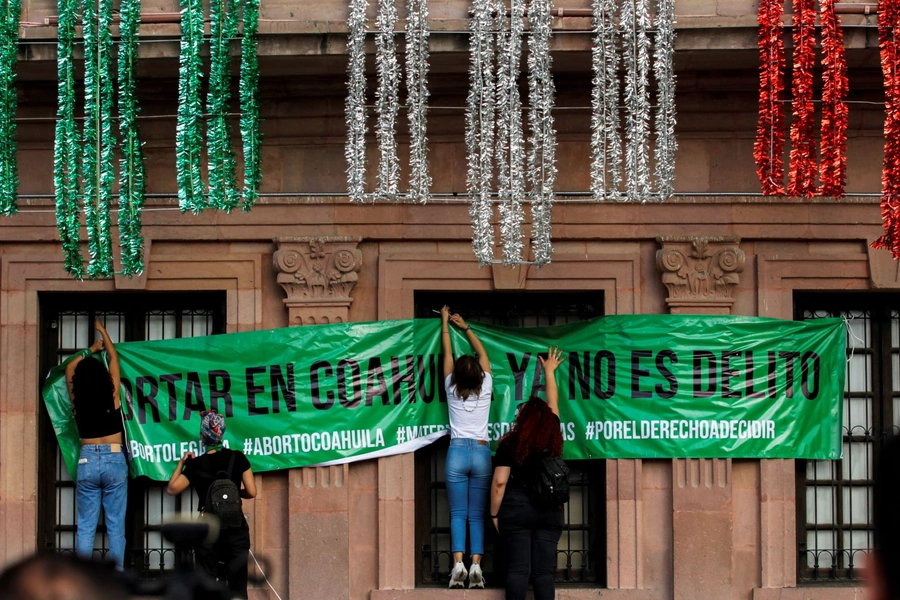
pixel 178 482
pixel 476 344
pixel 554 359
pixel 446 346
pixel 113 361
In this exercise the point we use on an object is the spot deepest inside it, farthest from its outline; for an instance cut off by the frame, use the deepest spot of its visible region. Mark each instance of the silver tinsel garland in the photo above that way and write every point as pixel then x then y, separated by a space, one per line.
pixel 480 127
pixel 355 107
pixel 417 98
pixel 542 153
pixel 665 94
pixel 606 143
pixel 510 137
pixel 387 103
pixel 632 33
pixel 635 23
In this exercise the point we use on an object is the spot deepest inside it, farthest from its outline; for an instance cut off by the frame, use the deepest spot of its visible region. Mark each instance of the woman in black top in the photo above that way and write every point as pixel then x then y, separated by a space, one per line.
pixel 102 469
pixel 226 559
pixel 530 532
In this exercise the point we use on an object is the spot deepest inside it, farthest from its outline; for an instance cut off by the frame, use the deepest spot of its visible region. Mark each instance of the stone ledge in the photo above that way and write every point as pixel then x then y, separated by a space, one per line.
pixel 832 592
pixel 562 593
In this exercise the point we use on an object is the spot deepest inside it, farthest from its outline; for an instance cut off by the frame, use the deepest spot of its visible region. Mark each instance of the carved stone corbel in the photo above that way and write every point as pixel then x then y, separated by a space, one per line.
pixel 700 273
pixel 318 274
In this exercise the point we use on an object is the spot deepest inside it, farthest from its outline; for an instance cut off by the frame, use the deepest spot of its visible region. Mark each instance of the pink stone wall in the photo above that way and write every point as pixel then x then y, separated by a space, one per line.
pixel 676 530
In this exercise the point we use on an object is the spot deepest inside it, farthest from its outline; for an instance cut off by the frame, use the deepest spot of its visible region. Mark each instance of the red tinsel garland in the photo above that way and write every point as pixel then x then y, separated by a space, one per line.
pixel 833 171
pixel 803 160
pixel 768 150
pixel 890 176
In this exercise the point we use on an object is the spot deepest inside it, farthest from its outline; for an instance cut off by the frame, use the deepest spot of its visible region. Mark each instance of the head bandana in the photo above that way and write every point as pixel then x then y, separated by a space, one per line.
pixel 212 428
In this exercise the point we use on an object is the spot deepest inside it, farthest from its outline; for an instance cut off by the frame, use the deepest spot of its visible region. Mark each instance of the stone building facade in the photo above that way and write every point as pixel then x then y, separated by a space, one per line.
pixel 659 529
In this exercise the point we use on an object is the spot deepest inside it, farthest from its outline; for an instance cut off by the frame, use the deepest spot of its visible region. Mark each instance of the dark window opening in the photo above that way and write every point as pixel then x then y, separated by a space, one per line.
pixel 834 498
pixel 581 554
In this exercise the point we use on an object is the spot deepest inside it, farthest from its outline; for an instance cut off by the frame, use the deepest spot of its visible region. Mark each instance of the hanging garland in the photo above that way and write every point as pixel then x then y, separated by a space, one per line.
pixel 251 135
pixel 387 102
pixel 9 177
pixel 189 136
pixel 480 128
pixel 606 143
pixel 223 190
pixel 417 98
pixel 803 160
pixel 355 107
pixel 510 137
pixel 888 32
pixel 131 165
pixel 664 71
pixel 833 171
pixel 67 144
pixel 635 23
pixel 769 146
pixel 542 155
pixel 98 166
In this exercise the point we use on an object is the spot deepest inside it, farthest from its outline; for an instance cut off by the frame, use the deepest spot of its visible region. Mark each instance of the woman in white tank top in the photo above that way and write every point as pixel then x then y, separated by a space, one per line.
pixel 468 382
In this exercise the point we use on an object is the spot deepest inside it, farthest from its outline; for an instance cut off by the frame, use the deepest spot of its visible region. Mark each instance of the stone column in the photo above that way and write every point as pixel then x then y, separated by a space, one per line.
pixel 700 274
pixel 318 274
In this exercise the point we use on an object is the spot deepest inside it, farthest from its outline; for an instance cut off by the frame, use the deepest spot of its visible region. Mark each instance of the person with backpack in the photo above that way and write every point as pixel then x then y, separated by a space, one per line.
pixel 529 488
pixel 221 477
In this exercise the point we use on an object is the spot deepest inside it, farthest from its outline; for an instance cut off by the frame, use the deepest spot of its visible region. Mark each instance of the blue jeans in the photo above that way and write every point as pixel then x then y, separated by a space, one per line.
pixel 102 480
pixel 469 474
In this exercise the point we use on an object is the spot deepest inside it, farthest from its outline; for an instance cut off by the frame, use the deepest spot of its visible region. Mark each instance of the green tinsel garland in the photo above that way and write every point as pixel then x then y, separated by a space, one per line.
pixel 98 167
pixel 66 143
pixel 131 165
pixel 250 133
pixel 223 191
pixel 189 136
pixel 9 176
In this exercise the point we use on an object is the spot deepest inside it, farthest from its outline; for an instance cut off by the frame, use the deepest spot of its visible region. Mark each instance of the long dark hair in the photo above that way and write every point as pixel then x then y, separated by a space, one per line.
pixel 92 385
pixel 467 376
pixel 535 429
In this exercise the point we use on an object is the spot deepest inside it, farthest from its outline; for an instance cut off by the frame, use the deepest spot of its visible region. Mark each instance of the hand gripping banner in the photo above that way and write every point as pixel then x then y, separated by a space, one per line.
pixel 633 386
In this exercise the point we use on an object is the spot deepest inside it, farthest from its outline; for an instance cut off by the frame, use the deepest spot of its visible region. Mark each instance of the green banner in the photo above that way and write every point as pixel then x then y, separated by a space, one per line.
pixel 634 386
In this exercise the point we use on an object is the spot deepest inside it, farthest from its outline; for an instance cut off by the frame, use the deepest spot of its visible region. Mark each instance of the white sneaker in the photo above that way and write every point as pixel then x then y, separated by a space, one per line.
pixel 458 576
pixel 476 578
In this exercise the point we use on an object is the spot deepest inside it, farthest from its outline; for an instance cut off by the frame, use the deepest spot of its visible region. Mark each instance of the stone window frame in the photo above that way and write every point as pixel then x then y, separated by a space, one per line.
pixel 134 315
pixel 587 475
pixel 22 278
pixel 618 274
pixel 781 276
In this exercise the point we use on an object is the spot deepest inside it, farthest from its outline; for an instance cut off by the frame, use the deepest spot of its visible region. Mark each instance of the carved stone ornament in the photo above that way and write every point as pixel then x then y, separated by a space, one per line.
pixel 700 272
pixel 318 274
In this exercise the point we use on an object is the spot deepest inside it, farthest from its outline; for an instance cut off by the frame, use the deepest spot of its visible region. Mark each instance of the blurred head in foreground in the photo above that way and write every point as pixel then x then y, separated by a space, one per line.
pixel 61 577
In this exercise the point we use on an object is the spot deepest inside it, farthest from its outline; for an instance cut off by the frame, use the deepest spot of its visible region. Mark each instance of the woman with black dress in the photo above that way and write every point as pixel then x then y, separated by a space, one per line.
pixel 529 531
pixel 226 559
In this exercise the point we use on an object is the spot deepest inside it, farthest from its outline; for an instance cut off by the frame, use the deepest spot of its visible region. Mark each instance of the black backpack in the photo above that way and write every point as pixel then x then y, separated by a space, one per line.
pixel 223 499
pixel 549 485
